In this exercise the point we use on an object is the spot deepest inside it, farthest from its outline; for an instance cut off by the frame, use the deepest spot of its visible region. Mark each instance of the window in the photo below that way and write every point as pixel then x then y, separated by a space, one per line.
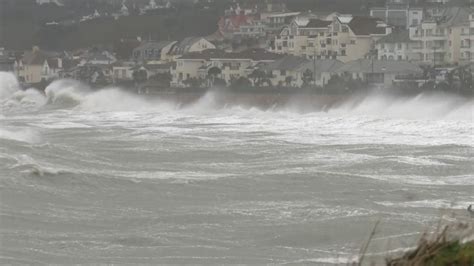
pixel 353 42
pixel 343 52
pixel 283 72
pixel 400 57
pixel 399 46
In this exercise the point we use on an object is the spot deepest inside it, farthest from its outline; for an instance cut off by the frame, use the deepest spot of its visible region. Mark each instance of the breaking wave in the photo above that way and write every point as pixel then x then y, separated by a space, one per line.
pixel 70 94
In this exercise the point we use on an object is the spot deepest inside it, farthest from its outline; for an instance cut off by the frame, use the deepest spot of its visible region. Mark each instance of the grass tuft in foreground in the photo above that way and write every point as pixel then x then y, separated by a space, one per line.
pixel 443 248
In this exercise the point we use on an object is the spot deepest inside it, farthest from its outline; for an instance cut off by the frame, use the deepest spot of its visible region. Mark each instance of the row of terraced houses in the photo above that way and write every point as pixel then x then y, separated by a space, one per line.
pixel 291 48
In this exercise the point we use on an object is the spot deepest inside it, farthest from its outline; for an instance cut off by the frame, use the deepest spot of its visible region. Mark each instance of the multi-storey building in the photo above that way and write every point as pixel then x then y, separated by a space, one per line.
pixel 395 46
pixel 467 40
pixel 341 37
pixel 400 15
pixel 440 39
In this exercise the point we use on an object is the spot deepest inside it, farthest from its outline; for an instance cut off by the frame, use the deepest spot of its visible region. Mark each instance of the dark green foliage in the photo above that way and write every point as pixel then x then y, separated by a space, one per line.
pixel 140 76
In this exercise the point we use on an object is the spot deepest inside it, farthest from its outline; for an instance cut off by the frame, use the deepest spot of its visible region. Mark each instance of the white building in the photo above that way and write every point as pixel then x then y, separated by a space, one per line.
pixel 395 46
pixel 381 72
pixel 399 15
pixel 232 66
pixel 441 39
pixel 341 37
pixel 467 41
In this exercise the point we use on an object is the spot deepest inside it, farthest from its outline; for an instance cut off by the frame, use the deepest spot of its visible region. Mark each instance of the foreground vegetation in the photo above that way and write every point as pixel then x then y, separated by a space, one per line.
pixel 445 247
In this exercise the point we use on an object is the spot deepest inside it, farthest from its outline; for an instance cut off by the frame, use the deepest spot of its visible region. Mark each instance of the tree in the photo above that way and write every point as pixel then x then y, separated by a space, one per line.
pixel 307 77
pixel 140 76
pixel 258 76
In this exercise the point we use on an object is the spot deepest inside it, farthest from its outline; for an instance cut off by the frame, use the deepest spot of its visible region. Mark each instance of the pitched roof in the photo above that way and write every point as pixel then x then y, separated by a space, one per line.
pixel 251 54
pixel 399 36
pixel 153 45
pixel 184 45
pixel 317 23
pixel 325 65
pixel 366 26
pixel 455 16
pixel 53 62
pixel 380 66
pixel 36 57
pixel 289 62
pixel 301 64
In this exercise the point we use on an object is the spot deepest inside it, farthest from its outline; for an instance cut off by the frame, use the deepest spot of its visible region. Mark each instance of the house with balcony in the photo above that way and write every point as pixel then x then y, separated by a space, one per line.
pixel 467 41
pixel 231 66
pixel 440 39
pixel 341 37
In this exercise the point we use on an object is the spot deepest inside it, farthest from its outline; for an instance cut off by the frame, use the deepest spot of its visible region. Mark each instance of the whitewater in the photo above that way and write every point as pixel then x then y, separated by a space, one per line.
pixel 108 176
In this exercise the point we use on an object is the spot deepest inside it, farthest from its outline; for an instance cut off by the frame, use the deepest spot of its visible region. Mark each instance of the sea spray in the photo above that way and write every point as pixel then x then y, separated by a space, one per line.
pixel 8 85
pixel 71 94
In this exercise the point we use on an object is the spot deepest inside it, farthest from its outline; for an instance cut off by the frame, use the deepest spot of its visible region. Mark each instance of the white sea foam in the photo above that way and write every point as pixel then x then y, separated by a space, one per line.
pixel 20 134
pixel 27 164
pixel 8 85
pixel 434 204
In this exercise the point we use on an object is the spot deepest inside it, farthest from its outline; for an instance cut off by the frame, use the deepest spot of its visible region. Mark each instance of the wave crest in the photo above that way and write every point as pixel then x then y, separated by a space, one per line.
pixel 70 94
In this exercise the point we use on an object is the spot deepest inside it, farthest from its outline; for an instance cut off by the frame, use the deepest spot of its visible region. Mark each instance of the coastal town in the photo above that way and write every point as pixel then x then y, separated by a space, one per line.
pixel 263 44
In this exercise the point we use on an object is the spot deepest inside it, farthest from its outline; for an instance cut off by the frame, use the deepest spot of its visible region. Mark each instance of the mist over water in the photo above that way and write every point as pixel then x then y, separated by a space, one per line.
pixel 108 176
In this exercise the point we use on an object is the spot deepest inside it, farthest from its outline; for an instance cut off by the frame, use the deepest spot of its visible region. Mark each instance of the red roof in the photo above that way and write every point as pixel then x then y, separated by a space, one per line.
pixel 233 23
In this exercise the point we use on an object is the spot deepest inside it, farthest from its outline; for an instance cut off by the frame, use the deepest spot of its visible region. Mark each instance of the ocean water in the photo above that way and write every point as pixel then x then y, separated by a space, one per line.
pixel 110 177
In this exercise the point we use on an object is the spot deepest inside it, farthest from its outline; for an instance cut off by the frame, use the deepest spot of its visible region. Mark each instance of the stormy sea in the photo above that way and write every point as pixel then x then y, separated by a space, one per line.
pixel 106 176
